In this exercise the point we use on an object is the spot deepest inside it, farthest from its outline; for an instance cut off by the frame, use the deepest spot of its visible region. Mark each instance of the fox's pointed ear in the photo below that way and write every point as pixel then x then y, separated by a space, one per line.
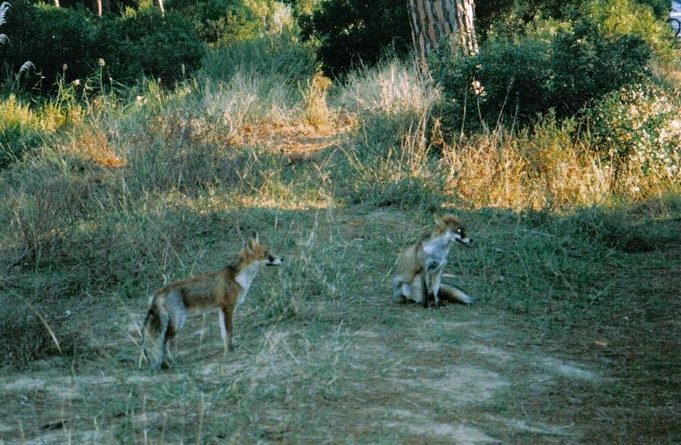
pixel 251 244
pixel 241 235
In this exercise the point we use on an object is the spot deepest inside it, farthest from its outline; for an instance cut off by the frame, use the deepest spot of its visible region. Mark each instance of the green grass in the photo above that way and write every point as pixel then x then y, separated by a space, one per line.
pixel 574 336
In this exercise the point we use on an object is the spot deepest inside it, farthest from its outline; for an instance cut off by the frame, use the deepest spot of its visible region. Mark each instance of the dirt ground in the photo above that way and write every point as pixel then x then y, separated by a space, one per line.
pixel 436 377
pixel 350 367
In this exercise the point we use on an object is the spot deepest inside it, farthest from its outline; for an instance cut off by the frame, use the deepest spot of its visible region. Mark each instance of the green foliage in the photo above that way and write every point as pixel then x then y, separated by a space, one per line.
pixel 659 7
pixel 511 17
pixel 50 38
pixel 507 79
pixel 219 21
pixel 145 43
pixel 352 32
pixel 634 122
pixel 71 43
pixel 280 58
pixel 588 64
pixel 616 18
pixel 559 67
pixel 20 129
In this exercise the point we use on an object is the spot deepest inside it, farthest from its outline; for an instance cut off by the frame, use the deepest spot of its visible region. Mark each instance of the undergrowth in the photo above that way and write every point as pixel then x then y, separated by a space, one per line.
pixel 130 195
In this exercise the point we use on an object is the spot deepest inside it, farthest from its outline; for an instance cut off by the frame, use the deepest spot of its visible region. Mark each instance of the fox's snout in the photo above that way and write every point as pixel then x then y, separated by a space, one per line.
pixel 274 261
pixel 465 241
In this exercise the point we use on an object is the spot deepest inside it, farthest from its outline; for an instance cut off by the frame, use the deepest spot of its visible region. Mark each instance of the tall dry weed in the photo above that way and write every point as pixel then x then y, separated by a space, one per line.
pixel 316 111
pixel 532 171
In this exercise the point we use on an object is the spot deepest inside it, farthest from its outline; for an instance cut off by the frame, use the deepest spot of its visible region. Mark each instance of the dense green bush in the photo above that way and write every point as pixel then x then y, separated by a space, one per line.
pixel 139 43
pixel 219 21
pixel 146 43
pixel 508 17
pixel 509 80
pixel 633 123
pixel 559 67
pixel 588 65
pixel 50 37
pixel 351 32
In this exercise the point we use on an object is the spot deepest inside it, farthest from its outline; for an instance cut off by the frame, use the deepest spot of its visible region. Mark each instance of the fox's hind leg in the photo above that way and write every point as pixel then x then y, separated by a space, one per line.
pixel 168 356
pixel 177 316
pixel 401 290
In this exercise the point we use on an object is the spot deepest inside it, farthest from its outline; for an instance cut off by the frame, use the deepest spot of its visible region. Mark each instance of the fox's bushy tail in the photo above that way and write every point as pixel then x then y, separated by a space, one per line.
pixel 454 295
pixel 154 333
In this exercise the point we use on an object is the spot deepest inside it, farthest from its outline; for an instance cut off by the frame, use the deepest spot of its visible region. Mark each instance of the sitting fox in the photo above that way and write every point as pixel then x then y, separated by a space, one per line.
pixel 418 271
pixel 225 289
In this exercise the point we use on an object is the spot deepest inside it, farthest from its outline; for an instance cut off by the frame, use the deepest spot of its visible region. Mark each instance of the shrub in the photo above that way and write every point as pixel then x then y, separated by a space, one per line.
pixel 50 37
pixel 634 124
pixel 587 65
pixel 70 43
pixel 506 17
pixel 146 43
pixel 627 17
pixel 555 67
pixel 509 80
pixel 219 21
pixel 351 32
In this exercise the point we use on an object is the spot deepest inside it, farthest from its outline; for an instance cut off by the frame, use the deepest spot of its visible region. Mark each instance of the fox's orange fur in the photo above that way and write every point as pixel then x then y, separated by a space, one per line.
pixel 224 289
pixel 418 271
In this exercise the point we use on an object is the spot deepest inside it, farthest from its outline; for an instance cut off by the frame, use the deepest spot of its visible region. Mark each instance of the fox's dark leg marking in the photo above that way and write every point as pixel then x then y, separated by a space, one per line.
pixel 426 289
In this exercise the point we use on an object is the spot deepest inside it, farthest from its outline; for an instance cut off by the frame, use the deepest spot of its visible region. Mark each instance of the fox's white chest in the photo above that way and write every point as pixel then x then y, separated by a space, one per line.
pixel 436 251
pixel 244 279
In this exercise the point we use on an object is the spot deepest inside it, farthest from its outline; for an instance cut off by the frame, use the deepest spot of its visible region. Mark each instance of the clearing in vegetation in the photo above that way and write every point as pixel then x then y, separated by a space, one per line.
pixel 574 336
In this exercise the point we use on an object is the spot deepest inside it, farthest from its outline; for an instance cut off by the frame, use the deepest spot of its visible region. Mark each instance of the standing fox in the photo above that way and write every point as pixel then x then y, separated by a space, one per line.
pixel 225 289
pixel 419 267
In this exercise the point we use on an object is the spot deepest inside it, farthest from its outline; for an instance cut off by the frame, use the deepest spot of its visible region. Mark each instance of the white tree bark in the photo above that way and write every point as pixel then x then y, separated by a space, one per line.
pixel 159 3
pixel 436 21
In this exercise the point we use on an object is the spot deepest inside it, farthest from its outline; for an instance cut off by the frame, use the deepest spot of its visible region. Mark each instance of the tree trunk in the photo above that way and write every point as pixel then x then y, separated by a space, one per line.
pixel 56 3
pixel 434 21
pixel 99 8
pixel 159 3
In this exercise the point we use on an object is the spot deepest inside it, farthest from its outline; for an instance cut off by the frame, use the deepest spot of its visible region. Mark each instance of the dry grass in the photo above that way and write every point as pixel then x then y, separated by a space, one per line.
pixel 324 356
pixel 92 145
pixel 559 348
pixel 540 172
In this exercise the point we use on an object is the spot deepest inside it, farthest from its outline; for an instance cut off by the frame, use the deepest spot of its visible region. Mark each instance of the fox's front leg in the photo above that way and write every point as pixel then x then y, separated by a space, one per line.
pixel 226 314
pixel 426 288
pixel 436 281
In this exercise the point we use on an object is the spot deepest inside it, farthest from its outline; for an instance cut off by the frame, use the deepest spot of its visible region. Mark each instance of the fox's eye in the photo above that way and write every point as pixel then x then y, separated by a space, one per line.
pixel 459 230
